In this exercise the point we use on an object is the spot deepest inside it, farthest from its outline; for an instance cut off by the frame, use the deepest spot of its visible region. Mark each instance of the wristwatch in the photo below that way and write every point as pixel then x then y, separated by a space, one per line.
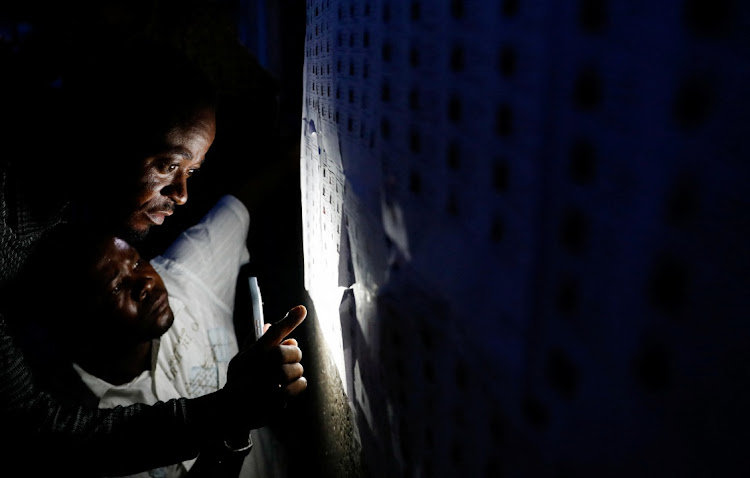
pixel 244 449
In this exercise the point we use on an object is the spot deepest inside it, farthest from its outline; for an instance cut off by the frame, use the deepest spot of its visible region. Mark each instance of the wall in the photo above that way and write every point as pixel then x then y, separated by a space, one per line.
pixel 525 234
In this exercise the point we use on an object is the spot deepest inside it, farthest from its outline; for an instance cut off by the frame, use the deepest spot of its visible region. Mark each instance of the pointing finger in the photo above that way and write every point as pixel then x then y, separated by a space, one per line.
pixel 278 331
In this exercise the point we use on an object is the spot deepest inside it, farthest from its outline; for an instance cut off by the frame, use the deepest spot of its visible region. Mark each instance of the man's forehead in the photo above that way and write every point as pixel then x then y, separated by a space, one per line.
pixel 111 253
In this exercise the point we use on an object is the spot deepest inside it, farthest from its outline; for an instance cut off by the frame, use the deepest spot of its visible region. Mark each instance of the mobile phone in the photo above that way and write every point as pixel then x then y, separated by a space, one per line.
pixel 257 306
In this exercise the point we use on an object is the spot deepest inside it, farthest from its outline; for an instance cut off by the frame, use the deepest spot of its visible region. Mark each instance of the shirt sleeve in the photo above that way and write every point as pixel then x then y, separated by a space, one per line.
pixel 68 436
pixel 213 250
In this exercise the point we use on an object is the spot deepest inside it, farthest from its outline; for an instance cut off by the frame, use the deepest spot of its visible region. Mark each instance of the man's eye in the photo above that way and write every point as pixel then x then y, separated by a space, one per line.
pixel 136 264
pixel 190 172
pixel 167 167
pixel 116 289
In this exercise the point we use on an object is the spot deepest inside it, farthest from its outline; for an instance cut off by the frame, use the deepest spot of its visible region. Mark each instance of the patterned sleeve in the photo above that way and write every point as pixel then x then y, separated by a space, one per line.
pixel 41 432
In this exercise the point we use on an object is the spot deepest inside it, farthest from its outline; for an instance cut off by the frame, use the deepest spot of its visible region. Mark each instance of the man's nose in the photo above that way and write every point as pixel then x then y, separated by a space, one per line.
pixel 145 286
pixel 177 189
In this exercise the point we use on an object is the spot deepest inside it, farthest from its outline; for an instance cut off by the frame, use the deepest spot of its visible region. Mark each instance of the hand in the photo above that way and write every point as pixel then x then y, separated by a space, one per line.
pixel 264 375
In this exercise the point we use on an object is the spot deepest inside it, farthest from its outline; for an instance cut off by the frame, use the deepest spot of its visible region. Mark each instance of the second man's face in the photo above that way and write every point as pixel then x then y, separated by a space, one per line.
pixel 162 180
pixel 129 293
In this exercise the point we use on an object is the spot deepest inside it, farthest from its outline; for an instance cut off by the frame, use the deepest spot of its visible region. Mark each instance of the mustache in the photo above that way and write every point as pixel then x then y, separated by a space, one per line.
pixel 162 207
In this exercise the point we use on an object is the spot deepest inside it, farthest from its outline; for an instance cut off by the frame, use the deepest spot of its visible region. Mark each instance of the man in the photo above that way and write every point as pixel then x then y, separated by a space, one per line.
pixel 154 120
pixel 131 341
pixel 129 139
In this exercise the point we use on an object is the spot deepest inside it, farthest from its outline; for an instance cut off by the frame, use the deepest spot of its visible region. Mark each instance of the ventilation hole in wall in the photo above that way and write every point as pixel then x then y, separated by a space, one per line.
pixel 429 438
pixel 385 92
pixel 426 337
pixel 366 10
pixel 510 7
pixel 587 90
pixel 362 130
pixel 398 366
pixel 404 439
pixel 457 9
pixel 427 469
pixel 351 40
pixel 462 375
pixel 415 141
pixel 497 230
pixel 493 468
pixel 692 103
pixel 414 57
pixel 459 415
pixel 497 430
pixel 349 125
pixel 338 92
pixel 506 61
pixel 451 205
pixel 457 452
pixel 386 13
pixel 415 11
pixel 457 59
pixel 592 15
pixel 351 95
pixel 667 286
pixel 453 156
pixel 500 175
pixel 414 99
pixel 387 52
pixel 568 297
pixel 582 162
pixel 366 39
pixel 708 18
pixel 429 372
pixel 365 70
pixel 385 128
pixel 415 182
pixel 328 93
pixel 561 373
pixel 338 66
pixel 534 413
pixel 454 109
pixel 651 367
pixel 682 202
pixel 336 117
pixel 504 121
pixel 574 231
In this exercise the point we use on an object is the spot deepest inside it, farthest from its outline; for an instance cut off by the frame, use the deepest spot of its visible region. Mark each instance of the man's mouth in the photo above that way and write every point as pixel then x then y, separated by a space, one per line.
pixel 159 304
pixel 157 217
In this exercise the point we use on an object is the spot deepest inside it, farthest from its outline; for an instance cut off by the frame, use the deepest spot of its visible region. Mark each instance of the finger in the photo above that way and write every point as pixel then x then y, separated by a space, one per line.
pixel 278 331
pixel 290 342
pixel 290 353
pixel 266 327
pixel 295 388
pixel 291 372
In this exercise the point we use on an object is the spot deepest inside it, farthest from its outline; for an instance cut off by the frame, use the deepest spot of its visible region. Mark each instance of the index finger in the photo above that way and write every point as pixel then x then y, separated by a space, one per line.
pixel 278 331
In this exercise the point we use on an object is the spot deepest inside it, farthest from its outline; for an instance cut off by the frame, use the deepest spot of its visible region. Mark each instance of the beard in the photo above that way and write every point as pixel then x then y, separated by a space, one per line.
pixel 132 236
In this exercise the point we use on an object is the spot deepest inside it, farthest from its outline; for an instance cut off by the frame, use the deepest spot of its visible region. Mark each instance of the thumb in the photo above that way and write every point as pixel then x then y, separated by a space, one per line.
pixel 278 331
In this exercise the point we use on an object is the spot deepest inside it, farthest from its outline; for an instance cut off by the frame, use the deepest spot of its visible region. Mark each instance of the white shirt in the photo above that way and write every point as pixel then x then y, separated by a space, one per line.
pixel 200 272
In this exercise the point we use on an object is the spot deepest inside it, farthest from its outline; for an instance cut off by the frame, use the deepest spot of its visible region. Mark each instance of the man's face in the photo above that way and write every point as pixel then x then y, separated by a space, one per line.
pixel 162 179
pixel 130 295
